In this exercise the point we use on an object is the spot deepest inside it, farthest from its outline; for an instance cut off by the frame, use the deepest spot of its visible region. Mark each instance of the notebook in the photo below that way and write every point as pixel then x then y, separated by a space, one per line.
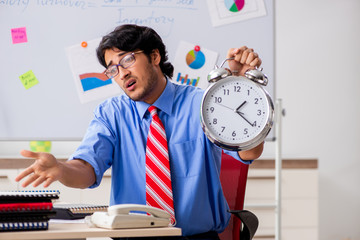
pixel 76 211
pixel 28 206
pixel 24 225
pixel 28 196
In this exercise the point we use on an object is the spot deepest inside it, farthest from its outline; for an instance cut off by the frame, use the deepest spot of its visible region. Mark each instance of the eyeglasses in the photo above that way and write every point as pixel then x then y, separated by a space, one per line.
pixel 128 60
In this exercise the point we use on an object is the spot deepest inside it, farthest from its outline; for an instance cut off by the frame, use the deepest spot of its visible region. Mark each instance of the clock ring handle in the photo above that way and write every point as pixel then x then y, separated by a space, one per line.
pixel 255 74
pixel 227 59
pixel 232 71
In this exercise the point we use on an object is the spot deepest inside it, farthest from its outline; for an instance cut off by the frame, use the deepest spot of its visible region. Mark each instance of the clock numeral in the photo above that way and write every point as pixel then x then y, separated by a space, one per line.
pixel 215 121
pixel 233 134
pixel 248 92
pixel 212 109
pixel 218 99
pixel 256 101
pixel 246 131
pixel 237 88
pixel 259 112
pixel 223 129
pixel 226 91
pixel 254 124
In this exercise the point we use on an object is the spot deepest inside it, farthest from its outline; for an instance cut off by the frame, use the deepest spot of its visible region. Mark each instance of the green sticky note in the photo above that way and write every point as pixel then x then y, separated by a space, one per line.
pixel 40 146
pixel 28 79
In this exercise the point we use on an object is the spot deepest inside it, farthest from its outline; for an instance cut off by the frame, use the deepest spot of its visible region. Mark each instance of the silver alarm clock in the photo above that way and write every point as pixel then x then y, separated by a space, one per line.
pixel 236 112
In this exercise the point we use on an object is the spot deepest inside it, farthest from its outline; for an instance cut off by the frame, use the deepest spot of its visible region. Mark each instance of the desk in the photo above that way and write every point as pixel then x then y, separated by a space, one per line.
pixel 82 231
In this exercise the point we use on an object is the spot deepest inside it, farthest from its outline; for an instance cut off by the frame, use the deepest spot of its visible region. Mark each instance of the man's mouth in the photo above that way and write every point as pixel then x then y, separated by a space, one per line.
pixel 130 83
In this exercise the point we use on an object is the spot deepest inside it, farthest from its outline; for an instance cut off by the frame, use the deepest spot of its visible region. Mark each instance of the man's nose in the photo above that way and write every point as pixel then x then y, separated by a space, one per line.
pixel 123 72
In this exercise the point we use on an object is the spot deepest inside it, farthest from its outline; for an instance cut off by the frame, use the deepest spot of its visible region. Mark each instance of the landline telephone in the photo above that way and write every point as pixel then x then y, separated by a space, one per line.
pixel 129 216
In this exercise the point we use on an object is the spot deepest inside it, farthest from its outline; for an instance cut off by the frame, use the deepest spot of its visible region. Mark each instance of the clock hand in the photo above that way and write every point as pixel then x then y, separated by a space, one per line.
pixel 225 106
pixel 238 108
pixel 241 115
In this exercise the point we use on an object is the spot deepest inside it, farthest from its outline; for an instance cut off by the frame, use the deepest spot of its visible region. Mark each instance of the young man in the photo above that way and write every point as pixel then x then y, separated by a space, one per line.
pixel 136 58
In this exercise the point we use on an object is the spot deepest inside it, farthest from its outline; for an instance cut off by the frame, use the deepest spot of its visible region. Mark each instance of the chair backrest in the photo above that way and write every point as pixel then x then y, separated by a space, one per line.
pixel 233 176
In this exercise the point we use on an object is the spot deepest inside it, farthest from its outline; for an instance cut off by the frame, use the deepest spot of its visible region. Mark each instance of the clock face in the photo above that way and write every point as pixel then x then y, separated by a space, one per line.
pixel 236 113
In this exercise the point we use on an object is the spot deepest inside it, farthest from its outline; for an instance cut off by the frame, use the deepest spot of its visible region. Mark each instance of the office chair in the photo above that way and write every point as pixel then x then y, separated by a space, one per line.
pixel 233 175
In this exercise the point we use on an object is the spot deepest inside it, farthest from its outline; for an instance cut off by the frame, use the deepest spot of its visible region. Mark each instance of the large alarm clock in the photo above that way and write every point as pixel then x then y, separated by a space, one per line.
pixel 236 112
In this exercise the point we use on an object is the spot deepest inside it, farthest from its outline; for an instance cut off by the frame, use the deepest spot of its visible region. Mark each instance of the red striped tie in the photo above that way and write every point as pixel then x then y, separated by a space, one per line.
pixel 158 179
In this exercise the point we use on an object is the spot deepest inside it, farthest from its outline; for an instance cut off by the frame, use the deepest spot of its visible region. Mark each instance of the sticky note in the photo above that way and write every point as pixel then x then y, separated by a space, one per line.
pixel 19 35
pixel 40 146
pixel 28 79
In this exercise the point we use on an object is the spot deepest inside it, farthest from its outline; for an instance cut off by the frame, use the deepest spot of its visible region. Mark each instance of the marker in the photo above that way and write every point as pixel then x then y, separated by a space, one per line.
pixel 84 44
pixel 197 48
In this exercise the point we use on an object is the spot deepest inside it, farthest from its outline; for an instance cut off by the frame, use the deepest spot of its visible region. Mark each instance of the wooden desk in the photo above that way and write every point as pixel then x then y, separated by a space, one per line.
pixel 82 231
pixel 17 163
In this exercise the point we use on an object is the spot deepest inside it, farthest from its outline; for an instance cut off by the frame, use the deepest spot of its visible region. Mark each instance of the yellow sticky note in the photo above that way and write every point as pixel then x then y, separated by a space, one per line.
pixel 40 146
pixel 28 79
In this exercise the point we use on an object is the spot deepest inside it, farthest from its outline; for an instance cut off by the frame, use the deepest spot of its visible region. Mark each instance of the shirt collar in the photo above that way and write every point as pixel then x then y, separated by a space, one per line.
pixel 164 102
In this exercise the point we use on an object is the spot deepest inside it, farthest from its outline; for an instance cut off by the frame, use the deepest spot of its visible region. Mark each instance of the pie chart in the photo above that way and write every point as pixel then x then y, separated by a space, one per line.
pixel 195 58
pixel 234 5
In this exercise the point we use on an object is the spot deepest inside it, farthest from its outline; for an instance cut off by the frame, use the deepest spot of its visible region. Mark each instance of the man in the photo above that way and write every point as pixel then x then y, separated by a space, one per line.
pixel 136 58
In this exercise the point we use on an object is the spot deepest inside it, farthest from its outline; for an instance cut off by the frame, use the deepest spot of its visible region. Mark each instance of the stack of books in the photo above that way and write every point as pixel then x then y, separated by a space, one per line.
pixel 26 210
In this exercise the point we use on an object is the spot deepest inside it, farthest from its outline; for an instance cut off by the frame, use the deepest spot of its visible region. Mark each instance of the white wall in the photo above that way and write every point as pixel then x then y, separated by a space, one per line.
pixel 318 80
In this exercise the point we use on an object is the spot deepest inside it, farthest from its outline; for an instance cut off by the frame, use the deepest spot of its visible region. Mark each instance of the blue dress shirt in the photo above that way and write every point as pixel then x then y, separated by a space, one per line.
pixel 116 138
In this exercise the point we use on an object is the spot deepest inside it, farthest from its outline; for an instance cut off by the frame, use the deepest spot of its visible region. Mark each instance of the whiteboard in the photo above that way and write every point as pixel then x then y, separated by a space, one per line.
pixel 51 110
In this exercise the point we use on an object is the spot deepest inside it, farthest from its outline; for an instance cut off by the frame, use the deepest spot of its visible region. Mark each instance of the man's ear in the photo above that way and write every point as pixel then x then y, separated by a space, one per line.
pixel 155 56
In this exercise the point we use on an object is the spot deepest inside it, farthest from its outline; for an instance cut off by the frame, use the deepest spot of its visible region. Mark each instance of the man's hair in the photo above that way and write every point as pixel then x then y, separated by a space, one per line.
pixel 130 37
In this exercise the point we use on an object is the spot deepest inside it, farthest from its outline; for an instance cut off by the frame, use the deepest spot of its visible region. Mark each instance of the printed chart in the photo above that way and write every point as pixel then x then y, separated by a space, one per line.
pixel 224 12
pixel 234 6
pixel 90 82
pixel 192 64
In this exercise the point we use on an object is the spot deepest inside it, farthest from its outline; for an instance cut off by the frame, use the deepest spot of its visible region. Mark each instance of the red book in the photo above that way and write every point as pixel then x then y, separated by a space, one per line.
pixel 6 207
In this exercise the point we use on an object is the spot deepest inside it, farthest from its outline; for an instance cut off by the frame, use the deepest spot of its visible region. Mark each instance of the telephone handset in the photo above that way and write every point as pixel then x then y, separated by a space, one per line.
pixel 129 216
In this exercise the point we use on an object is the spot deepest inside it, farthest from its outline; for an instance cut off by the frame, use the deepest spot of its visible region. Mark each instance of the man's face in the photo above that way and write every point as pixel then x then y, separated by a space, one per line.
pixel 140 81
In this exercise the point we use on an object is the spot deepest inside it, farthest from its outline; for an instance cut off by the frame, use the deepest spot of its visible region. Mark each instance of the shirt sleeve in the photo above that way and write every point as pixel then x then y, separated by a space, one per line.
pixel 235 155
pixel 97 146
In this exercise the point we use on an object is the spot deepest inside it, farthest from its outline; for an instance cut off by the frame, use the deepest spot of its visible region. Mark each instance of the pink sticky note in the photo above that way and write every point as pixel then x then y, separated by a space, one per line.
pixel 19 35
